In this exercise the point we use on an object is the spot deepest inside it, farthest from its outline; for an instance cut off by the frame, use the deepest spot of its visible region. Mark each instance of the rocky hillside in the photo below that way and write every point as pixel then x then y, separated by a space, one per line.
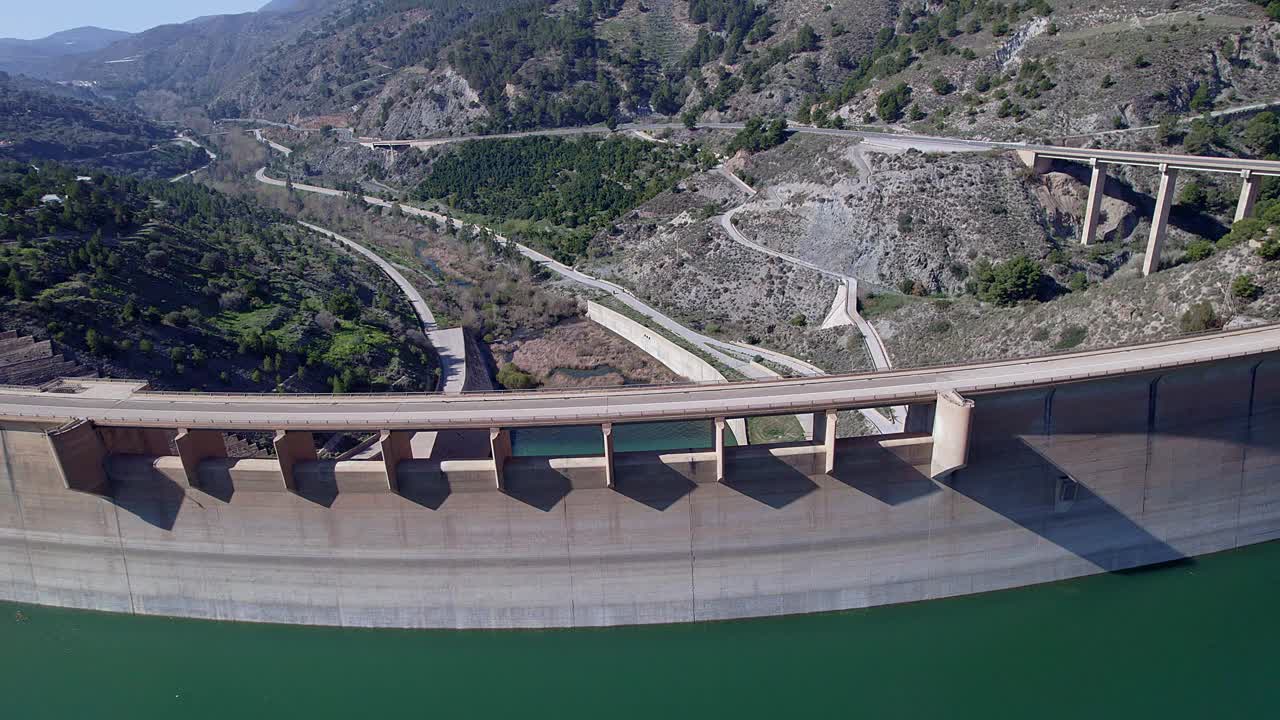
pixel 406 68
pixel 889 217
pixel 1052 68
pixel 672 253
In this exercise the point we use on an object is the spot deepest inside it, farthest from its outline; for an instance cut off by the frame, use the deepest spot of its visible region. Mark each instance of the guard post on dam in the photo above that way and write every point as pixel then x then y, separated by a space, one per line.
pixel 1009 473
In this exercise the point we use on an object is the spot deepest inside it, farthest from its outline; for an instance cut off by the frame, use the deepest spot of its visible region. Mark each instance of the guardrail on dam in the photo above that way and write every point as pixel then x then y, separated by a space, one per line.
pixel 1013 473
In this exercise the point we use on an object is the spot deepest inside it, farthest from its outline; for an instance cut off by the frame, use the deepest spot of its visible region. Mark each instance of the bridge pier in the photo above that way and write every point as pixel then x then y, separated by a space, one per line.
pixel 719 432
pixel 825 430
pixel 500 447
pixel 606 429
pixel 79 454
pixel 1093 207
pixel 952 420
pixel 396 446
pixel 196 446
pixel 1160 221
pixel 293 447
pixel 1248 194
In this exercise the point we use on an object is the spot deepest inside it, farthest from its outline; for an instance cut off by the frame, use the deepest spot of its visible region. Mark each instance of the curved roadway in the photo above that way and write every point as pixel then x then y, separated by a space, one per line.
pixel 487 410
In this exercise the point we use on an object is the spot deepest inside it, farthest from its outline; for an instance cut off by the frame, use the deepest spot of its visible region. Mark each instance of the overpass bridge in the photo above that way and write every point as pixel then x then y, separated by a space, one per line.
pixel 1250 172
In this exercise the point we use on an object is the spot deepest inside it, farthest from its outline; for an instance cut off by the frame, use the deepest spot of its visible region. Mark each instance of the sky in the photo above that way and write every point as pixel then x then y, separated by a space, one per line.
pixel 31 20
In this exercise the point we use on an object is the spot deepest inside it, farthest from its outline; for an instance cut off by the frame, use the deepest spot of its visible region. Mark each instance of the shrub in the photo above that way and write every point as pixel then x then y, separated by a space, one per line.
pixel 1198 250
pixel 798 320
pixel 1245 288
pixel 1072 336
pixel 513 378
pixel 1008 282
pixel 943 86
pixel 1078 282
pixel 343 304
pixel 892 102
pixel 1199 318
pixel 1270 250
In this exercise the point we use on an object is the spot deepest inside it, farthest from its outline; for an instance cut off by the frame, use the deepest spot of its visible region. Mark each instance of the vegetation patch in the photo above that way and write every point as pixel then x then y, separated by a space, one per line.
pixel 194 289
pixel 575 187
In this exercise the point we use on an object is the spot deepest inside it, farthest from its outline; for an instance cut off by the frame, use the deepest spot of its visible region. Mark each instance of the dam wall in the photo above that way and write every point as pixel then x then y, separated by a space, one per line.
pixel 1060 481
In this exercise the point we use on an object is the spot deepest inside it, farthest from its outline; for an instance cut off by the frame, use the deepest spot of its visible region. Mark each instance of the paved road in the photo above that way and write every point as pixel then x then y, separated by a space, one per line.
pixel 257 133
pixel 1225 112
pixel 414 297
pixel 844 310
pixel 450 345
pixel 581 406
pixel 192 141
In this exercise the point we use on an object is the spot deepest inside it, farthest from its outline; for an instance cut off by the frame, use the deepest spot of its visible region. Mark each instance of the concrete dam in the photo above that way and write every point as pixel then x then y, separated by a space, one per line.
pixel 1009 474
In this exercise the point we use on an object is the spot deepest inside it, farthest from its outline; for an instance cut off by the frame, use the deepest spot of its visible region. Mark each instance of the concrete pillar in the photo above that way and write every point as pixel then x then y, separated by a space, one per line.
pixel 293 447
pixel 195 446
pixel 1093 207
pixel 829 442
pixel 719 425
pixel 607 430
pixel 951 423
pixel 1248 195
pixel 500 446
pixel 1160 221
pixel 396 445
pixel 79 455
pixel 136 441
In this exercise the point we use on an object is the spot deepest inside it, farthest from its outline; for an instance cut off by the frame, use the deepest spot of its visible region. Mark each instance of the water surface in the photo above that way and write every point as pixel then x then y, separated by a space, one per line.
pixel 1196 640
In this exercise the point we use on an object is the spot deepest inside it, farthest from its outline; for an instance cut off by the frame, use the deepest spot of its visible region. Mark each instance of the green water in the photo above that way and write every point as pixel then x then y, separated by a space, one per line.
pixel 582 440
pixel 1197 640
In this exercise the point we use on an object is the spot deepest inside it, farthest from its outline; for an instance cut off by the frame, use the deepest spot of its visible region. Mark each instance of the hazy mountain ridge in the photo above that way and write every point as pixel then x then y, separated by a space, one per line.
pixel 40 56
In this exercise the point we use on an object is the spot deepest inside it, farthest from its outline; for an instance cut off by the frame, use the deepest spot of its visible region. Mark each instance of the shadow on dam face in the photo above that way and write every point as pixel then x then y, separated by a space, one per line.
pixel 654 483
pixel 767 479
pixel 152 496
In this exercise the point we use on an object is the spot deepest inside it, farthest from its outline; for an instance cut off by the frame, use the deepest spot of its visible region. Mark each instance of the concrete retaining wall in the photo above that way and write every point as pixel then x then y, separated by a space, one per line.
pixel 680 361
pixel 1084 478
pixel 677 359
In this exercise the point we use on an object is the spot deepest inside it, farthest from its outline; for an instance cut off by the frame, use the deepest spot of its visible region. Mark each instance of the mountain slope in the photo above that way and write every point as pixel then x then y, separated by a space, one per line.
pixel 40 121
pixel 195 289
pixel 36 56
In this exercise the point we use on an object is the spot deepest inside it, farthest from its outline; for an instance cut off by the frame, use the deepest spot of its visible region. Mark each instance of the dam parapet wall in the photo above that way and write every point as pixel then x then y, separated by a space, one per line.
pixel 1058 481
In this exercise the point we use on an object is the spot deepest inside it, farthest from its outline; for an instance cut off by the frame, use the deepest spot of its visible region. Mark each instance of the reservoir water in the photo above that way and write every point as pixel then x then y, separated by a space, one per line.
pixel 581 440
pixel 1192 640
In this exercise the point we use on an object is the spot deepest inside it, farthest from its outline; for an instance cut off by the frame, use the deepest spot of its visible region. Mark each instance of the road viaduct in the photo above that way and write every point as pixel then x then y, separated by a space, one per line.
pixel 1009 473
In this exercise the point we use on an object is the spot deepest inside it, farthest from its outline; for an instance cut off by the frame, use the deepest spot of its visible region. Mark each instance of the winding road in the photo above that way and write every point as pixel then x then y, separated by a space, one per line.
pixel 844 308
pixel 715 348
